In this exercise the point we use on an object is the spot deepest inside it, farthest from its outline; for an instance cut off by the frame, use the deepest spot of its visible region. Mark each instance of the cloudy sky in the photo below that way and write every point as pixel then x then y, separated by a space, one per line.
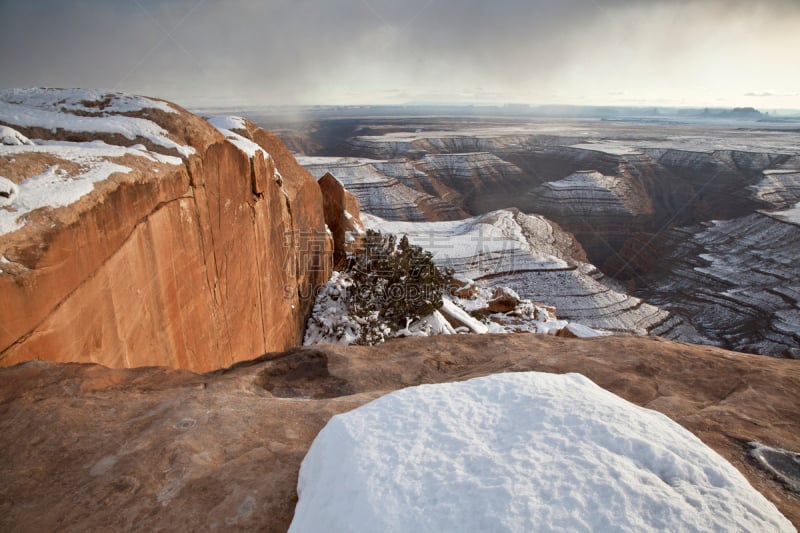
pixel 232 52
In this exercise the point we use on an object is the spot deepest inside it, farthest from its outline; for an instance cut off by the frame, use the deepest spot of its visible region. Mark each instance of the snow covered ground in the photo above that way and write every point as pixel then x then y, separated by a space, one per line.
pixel 488 244
pixel 76 166
pixel 519 452
pixel 55 187
pixel 53 109
pixel 529 255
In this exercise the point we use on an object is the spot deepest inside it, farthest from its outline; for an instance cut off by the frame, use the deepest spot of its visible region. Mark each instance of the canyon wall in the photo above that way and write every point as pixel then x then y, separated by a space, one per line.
pixel 194 262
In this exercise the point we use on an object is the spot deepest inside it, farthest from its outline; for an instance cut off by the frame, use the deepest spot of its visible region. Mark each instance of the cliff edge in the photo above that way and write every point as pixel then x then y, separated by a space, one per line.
pixel 135 233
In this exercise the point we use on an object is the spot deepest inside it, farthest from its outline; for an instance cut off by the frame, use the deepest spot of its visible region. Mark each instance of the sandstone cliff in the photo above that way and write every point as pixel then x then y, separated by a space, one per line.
pixel 84 447
pixel 178 244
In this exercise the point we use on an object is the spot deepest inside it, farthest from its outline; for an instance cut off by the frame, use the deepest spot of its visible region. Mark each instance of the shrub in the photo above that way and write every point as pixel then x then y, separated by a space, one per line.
pixel 393 282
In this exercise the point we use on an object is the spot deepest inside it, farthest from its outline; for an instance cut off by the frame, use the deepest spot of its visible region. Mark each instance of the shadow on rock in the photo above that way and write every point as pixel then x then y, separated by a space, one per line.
pixel 302 373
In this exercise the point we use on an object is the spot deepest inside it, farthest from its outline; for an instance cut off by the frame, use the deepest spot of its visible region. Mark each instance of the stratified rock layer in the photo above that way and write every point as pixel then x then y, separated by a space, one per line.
pixel 736 281
pixel 541 262
pixel 84 447
pixel 394 190
pixel 194 263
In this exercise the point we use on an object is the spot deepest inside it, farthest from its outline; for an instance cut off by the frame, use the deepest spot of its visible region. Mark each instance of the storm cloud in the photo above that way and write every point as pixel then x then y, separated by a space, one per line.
pixel 214 52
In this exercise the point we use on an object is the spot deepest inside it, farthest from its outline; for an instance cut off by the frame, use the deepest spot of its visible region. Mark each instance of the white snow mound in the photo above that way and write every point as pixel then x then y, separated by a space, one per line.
pixel 11 137
pixel 519 452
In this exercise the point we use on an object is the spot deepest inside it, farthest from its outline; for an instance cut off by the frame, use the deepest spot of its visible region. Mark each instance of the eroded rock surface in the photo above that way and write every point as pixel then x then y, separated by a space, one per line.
pixel 736 281
pixel 184 247
pixel 394 190
pixel 85 447
pixel 541 262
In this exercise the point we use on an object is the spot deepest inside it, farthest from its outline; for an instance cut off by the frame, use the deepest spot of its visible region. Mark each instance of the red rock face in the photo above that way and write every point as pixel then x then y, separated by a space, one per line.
pixel 197 266
pixel 338 203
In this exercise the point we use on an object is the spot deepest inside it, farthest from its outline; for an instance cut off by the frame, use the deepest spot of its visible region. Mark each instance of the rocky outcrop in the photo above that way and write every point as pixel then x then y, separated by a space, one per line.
pixel 184 247
pixel 342 216
pixel 778 189
pixel 483 181
pixel 152 448
pixel 602 211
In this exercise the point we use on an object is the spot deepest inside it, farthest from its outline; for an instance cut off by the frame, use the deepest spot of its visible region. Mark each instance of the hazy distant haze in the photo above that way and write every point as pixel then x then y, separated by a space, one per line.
pixel 649 52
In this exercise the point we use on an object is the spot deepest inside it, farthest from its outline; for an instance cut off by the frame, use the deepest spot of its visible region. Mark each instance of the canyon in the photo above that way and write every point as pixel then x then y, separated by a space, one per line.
pixel 644 198
pixel 157 270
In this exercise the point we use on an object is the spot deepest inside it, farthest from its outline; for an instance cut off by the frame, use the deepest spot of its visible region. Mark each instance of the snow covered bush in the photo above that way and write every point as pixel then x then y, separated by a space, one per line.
pixel 393 282
pixel 386 285
pixel 393 289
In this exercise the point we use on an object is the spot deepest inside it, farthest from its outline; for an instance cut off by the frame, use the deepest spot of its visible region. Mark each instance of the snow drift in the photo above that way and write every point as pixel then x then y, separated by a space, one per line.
pixel 519 452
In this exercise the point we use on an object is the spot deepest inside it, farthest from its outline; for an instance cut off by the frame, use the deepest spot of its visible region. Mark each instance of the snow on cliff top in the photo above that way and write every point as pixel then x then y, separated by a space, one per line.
pixel 97 111
pixel 76 166
pixel 586 179
pixel 55 187
pixel 519 452
pixel 225 124
pixel 791 215
pixel 82 100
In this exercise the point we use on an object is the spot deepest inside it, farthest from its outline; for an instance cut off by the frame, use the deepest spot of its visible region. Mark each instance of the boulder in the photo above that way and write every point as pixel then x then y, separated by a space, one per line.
pixel 491 453
pixel 341 215
pixel 503 300
pixel 463 287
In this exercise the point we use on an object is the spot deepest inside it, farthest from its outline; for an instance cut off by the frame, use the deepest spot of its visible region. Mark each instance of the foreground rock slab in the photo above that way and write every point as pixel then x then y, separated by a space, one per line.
pixel 86 447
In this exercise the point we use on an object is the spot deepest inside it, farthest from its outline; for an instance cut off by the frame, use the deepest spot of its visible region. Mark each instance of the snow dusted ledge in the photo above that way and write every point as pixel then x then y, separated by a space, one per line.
pixel 519 452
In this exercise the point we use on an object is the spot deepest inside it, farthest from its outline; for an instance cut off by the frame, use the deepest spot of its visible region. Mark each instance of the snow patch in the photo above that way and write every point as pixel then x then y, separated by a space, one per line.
pixel 11 137
pixel 225 124
pixel 330 322
pixel 579 330
pixel 608 147
pixel 791 216
pixel 433 324
pixel 53 188
pixel 50 109
pixel 519 452
pixel 8 191
pixel 457 314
